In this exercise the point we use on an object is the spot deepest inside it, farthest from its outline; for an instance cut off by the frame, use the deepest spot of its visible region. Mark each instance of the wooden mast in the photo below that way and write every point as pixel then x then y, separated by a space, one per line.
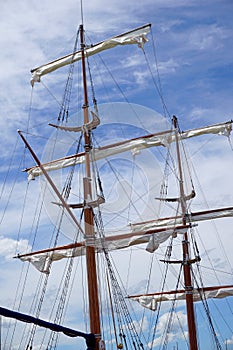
pixel 94 313
pixel 186 255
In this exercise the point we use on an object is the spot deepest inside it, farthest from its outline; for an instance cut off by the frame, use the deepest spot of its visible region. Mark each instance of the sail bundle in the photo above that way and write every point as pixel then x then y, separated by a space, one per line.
pixel 177 220
pixel 136 36
pixel 152 235
pixel 135 144
pixel 42 259
pixel 151 301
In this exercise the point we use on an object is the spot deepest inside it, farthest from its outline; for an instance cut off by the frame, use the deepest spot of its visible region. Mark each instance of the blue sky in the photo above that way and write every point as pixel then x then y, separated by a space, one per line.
pixel 193 42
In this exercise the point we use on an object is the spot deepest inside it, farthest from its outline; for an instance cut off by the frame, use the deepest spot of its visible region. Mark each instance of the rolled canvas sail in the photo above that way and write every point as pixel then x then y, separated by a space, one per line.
pixel 151 301
pixel 192 217
pixel 42 259
pixel 152 234
pixel 137 36
pixel 137 144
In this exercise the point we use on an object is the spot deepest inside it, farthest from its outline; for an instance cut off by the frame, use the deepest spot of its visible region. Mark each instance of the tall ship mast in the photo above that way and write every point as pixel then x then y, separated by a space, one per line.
pixel 98 220
pixel 89 216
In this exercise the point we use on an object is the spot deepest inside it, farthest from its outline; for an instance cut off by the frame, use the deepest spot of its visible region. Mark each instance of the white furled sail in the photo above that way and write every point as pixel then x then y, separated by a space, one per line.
pixel 42 259
pixel 151 301
pixel 191 217
pixel 153 233
pixel 136 144
pixel 136 36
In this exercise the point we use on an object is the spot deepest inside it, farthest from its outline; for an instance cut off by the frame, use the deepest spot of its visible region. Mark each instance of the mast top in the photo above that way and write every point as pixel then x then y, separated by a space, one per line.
pixel 81 5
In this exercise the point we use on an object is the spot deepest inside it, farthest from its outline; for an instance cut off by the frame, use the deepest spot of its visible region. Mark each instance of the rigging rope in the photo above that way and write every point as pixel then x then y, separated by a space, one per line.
pixel 167 257
pixel 122 309
pixel 167 329
pixel 159 85
pixel 53 339
pixel 21 288
pixel 121 91
pixel 118 177
pixel 202 293
pixel 19 294
pixel 5 182
pixel 125 322
pixel 64 111
pixel 206 308
pixel 92 87
pixel 63 116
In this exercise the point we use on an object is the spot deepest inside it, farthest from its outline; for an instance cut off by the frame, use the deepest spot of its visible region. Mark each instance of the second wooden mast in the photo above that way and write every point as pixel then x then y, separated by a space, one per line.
pixel 186 254
pixel 94 312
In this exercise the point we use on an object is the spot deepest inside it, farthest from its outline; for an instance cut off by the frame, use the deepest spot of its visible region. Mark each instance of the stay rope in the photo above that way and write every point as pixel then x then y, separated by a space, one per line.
pixel 127 328
pixel 206 308
pixel 64 111
pixel 159 85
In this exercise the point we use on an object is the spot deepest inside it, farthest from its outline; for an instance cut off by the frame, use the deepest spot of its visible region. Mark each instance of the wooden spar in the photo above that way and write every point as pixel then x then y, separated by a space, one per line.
pixel 87 52
pixel 77 155
pixel 120 143
pixel 94 312
pixel 177 291
pixel 130 234
pixel 99 152
pixel 192 215
pixel 50 182
pixel 186 254
pixel 107 239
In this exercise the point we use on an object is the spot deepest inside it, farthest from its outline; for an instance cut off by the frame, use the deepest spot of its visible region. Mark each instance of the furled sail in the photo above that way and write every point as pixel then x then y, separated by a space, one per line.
pixel 151 301
pixel 42 259
pixel 177 220
pixel 136 36
pixel 135 144
pixel 153 233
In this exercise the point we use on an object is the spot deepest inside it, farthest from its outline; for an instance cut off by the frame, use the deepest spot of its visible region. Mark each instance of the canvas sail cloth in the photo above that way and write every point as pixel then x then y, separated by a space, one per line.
pixel 134 145
pixel 42 260
pixel 191 217
pixel 152 236
pixel 137 36
pixel 151 301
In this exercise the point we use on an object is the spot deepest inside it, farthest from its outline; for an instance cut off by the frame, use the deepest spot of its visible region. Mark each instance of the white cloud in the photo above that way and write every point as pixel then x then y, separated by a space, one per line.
pixel 178 329
pixel 208 37
pixel 8 246
pixel 229 341
pixel 168 67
